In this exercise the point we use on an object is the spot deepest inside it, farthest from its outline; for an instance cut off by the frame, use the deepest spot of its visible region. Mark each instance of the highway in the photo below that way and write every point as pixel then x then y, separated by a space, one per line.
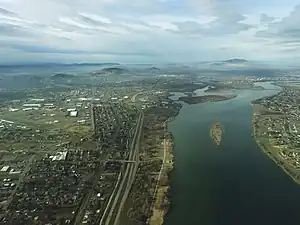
pixel 132 170
pixel 99 172
pixel 112 211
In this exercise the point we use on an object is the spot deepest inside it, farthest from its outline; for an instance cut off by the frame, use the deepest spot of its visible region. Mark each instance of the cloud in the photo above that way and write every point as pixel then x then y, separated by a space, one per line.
pixel 6 12
pixel 157 30
pixel 231 23
pixel 28 48
pixel 284 34
pixel 211 7
pixel 12 30
pixel 265 19
pixel 285 29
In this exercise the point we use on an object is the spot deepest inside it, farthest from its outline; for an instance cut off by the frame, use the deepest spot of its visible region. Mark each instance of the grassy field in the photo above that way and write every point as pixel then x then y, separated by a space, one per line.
pixel 38 119
pixel 43 119
pixel 44 136
pixel 81 129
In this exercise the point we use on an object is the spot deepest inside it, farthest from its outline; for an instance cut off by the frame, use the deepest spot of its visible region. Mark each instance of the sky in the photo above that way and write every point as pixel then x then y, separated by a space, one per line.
pixel 148 31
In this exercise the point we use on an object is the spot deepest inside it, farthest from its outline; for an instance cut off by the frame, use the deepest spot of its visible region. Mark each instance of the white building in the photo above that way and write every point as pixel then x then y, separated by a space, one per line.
pixel 74 113
pixel 33 105
pixel 13 110
pixel 4 169
pixel 37 99
pixel 59 156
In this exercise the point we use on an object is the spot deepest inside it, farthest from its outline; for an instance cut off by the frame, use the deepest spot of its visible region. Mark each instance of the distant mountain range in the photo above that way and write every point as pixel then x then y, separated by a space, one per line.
pixel 152 69
pixel 62 76
pixel 110 71
pixel 123 68
pixel 230 61
pixel 58 64
pixel 115 70
pixel 126 69
pixel 236 61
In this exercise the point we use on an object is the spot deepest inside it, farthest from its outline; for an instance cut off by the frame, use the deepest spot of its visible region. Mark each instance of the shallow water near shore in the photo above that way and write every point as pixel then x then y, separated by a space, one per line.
pixel 233 184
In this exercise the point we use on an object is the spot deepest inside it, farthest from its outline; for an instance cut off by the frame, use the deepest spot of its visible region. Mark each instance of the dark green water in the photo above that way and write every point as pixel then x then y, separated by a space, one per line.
pixel 234 184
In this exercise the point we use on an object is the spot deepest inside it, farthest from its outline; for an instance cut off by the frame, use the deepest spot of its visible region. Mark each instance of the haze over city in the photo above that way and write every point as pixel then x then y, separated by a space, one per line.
pixel 155 31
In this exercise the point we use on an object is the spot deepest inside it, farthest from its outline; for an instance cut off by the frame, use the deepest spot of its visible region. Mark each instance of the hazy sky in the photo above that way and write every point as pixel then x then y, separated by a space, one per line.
pixel 148 30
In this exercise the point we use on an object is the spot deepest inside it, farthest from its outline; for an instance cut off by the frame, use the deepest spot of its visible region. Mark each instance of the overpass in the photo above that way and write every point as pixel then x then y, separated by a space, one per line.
pixel 125 180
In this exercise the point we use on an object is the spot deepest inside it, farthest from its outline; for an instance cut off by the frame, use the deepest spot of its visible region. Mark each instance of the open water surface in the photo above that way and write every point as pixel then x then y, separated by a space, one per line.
pixel 233 184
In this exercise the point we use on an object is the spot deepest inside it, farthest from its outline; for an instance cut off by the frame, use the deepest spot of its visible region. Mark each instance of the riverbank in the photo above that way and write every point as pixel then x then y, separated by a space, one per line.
pixel 236 182
pixel 205 98
pixel 162 201
pixel 266 148
pixel 222 88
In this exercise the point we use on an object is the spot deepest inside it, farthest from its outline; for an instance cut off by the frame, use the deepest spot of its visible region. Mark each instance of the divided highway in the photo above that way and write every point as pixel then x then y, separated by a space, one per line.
pixel 116 202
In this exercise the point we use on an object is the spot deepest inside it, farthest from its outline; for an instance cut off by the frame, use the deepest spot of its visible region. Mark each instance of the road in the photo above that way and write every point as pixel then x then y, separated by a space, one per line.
pixel 125 183
pixel 25 171
pixel 133 98
pixel 162 166
pixel 104 158
pixel 89 194
pixel 111 199
pixel 132 171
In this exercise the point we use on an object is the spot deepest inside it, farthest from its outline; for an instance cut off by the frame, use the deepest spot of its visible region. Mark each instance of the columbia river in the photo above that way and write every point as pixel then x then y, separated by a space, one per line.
pixel 233 184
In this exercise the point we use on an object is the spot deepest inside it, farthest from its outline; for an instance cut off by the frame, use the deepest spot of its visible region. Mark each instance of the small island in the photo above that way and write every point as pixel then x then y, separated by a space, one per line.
pixel 205 98
pixel 216 131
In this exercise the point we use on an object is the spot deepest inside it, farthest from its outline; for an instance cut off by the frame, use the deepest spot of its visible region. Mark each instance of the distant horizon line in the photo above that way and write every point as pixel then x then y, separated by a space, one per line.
pixel 112 63
pixel 29 64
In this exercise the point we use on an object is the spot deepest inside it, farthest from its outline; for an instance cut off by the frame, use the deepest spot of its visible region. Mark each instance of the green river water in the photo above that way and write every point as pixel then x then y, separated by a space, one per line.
pixel 233 184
